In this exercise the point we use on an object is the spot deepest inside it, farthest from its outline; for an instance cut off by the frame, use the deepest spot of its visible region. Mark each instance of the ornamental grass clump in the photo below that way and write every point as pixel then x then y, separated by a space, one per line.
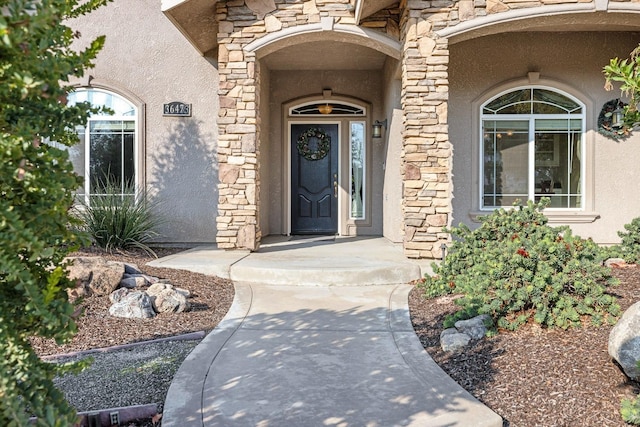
pixel 120 219
pixel 518 269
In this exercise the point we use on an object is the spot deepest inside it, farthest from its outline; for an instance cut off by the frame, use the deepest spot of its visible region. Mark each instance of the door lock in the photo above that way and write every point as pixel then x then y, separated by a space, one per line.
pixel 335 189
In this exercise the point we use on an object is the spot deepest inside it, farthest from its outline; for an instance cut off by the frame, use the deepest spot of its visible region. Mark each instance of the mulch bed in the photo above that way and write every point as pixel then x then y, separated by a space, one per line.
pixel 536 377
pixel 210 301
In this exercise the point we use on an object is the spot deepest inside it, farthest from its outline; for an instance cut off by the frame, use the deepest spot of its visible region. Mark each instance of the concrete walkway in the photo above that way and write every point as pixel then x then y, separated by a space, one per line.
pixel 305 344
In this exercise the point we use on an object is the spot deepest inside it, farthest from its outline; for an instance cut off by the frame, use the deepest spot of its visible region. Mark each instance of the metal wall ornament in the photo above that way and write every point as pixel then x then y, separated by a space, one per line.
pixel 611 120
pixel 322 148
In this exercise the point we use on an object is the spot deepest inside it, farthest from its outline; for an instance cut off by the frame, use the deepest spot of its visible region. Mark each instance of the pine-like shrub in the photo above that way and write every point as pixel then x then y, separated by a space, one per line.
pixel 37 185
pixel 630 410
pixel 629 247
pixel 120 219
pixel 517 269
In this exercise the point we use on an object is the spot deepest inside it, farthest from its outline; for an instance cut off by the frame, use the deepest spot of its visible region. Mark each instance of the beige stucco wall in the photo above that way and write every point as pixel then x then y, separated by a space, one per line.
pixel 573 59
pixel 267 156
pixel 392 186
pixel 285 86
pixel 147 57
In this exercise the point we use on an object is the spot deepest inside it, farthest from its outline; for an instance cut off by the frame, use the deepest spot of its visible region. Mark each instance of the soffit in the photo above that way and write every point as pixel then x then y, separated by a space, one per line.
pixel 366 8
pixel 325 55
pixel 196 21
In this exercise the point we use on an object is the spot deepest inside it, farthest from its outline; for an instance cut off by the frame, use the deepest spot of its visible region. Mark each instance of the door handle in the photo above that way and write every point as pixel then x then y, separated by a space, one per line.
pixel 335 189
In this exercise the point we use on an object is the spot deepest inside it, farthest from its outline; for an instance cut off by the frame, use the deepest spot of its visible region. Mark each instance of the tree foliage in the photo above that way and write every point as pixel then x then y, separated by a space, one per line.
pixel 517 269
pixel 626 72
pixel 36 192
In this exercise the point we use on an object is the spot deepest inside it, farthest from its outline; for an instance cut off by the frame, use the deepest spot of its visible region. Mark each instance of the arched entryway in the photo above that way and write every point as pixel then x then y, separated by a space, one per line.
pixel 355 73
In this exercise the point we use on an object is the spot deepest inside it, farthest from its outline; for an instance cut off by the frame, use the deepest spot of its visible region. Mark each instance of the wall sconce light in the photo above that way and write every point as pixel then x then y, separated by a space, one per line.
pixel 377 128
pixel 611 120
pixel 617 117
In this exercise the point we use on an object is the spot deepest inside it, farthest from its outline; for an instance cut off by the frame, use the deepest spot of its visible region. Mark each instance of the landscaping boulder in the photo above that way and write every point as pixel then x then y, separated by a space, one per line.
pixel 167 299
pixel 474 327
pixel 96 275
pixel 454 339
pixel 134 304
pixel 617 263
pixel 130 268
pixel 451 340
pixel 134 281
pixel 119 294
pixel 624 341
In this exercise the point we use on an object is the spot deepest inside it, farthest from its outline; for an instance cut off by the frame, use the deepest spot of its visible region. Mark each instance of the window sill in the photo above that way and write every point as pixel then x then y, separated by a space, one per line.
pixel 555 216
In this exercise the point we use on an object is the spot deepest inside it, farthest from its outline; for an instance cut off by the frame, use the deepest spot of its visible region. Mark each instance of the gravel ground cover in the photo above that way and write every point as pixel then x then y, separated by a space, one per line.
pixel 536 377
pixel 135 376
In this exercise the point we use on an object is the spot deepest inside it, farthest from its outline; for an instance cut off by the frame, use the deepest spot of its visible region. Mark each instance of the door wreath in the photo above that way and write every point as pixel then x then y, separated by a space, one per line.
pixel 324 144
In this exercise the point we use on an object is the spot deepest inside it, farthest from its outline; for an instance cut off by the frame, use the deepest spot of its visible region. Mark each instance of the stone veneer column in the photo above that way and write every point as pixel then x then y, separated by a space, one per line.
pixel 240 22
pixel 238 139
pixel 427 153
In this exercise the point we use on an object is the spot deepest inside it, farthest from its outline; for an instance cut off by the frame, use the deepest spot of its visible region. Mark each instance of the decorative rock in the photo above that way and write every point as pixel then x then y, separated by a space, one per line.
pixel 617 263
pixel 134 282
pixel 96 274
pixel 156 288
pixel 167 299
pixel 136 304
pixel 624 341
pixel 451 340
pixel 185 292
pixel 474 327
pixel 118 295
pixel 130 268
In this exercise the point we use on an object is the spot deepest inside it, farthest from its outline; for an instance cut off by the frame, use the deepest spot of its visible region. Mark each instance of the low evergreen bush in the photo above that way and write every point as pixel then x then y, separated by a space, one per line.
pixel 120 220
pixel 37 183
pixel 518 269
pixel 630 410
pixel 629 247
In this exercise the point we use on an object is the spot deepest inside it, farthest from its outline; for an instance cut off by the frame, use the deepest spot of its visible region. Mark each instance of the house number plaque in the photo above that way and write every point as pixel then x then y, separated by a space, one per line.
pixel 177 109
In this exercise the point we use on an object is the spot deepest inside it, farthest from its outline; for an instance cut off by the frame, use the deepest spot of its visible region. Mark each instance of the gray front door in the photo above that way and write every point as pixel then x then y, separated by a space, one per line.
pixel 314 179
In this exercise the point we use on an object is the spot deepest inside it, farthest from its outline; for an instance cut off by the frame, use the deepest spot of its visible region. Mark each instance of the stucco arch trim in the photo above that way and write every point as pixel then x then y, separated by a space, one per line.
pixel 325 30
pixel 588 214
pixel 464 30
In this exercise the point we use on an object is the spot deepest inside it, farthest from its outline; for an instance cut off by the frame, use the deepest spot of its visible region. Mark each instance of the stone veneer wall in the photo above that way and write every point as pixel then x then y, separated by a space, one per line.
pixel 427 152
pixel 240 23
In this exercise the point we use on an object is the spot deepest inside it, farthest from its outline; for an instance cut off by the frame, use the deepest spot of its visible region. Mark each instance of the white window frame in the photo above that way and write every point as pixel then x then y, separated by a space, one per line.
pixel 134 117
pixel 532 117
pixel 364 171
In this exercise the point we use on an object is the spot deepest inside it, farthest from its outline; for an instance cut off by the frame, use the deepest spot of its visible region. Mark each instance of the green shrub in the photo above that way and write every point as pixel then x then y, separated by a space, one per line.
pixel 630 410
pixel 37 183
pixel 517 269
pixel 120 219
pixel 629 247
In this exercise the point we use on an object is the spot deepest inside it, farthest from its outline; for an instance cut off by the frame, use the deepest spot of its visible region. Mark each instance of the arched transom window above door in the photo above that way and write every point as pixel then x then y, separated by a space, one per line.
pixel 327 108
pixel 532 146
